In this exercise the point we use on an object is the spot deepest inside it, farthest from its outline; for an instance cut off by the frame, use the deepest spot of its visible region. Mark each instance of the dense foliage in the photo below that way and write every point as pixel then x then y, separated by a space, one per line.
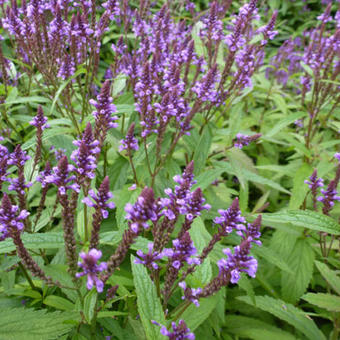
pixel 169 169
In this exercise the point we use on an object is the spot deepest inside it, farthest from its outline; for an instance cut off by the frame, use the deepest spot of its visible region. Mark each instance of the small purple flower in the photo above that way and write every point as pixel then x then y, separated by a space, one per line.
pixel 144 210
pixel 104 108
pixel 91 269
pixel 85 155
pixel 61 177
pixel 190 294
pixel 100 201
pixel 10 217
pixel 244 140
pixel 337 156
pixel 149 259
pixel 182 252
pixel 39 121
pixel 18 157
pixel 129 142
pixel 231 218
pixel 179 332
pixel 314 182
pixel 43 174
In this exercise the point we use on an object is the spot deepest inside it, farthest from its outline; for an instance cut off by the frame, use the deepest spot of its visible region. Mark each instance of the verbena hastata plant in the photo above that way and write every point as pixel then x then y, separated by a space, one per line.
pixel 171 79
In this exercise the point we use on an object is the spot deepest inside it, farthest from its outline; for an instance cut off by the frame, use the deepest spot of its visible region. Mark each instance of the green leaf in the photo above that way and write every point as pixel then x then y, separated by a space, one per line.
pixel 304 219
pixel 202 150
pixel 255 329
pixel 110 314
pixel 63 85
pixel 272 257
pixel 195 316
pixel 58 303
pixel 287 312
pixel 284 122
pixel 301 260
pixel 300 189
pixel 326 301
pixel 90 303
pixel 205 179
pixel 329 275
pixel 50 240
pixel 24 100
pixel 49 133
pixel 148 303
pixel 29 324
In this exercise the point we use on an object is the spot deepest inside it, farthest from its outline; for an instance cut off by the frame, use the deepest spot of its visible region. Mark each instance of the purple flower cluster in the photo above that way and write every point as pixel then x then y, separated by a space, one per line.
pixel 104 113
pixel 183 251
pixel 91 269
pixel 143 211
pixel 61 177
pixel 85 155
pixel 244 140
pixel 40 121
pixel 129 142
pixel 179 332
pixel 231 219
pixel 179 201
pixel 10 217
pixel 149 259
pixel 239 260
pixel 100 201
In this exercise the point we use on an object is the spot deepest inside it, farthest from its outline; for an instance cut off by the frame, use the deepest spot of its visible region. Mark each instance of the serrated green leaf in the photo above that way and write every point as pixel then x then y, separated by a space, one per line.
pixel 272 257
pixel 58 303
pixel 301 261
pixel 63 85
pixel 195 316
pixel 284 122
pixel 202 150
pixel 304 219
pixel 300 189
pixel 256 329
pixel 90 302
pixel 287 312
pixel 329 275
pixel 326 301
pixel 148 303
pixel 50 240
pixel 49 133
pixel 29 324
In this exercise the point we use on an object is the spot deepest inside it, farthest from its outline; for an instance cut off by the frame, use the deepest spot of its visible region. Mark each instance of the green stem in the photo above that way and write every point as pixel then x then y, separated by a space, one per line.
pixel 28 278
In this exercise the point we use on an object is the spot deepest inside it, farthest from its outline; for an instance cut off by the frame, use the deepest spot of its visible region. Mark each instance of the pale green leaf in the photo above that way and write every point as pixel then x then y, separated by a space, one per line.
pixel 149 305
pixel 329 275
pixel 327 301
pixel 301 261
pixel 287 312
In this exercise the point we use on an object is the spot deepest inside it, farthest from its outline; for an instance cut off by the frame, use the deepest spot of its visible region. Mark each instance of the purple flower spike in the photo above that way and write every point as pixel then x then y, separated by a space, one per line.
pixel 244 140
pixel 191 294
pixel 10 217
pixel 61 177
pixel 18 157
pixel 144 210
pixel 149 259
pixel 314 182
pixel 100 200
pixel 129 142
pixel 179 332
pixel 91 269
pixel 231 218
pixel 183 250
pixel 85 155
pixel 39 121
pixel 103 114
